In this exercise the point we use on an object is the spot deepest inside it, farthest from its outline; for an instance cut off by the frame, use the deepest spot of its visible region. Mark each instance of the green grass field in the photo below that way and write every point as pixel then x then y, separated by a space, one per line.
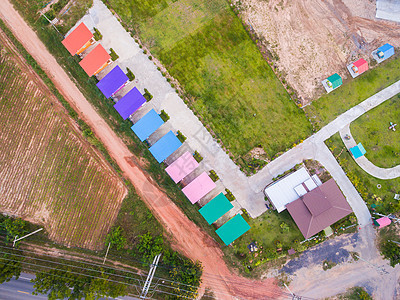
pixel 352 92
pixel 204 45
pixel 371 129
pixel 366 185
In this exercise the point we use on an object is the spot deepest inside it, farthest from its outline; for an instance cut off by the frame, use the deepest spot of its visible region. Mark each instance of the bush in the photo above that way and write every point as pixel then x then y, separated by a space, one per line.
pixel 164 116
pixel 214 176
pixel 229 195
pixel 113 55
pixel 181 137
pixel 147 95
pixel 97 35
pixel 145 51
pixel 130 74
pixel 197 156
pixel 50 14
pixel 150 57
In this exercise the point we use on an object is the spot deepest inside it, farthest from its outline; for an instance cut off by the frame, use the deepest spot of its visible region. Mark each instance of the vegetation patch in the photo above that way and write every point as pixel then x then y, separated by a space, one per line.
pixel 229 195
pixel 213 176
pixel 181 136
pixel 229 83
pixel 327 264
pixel 130 74
pixel 197 156
pixel 389 244
pixel 97 34
pixel 114 56
pixel 372 130
pixel 164 116
pixel 352 92
pixel 147 95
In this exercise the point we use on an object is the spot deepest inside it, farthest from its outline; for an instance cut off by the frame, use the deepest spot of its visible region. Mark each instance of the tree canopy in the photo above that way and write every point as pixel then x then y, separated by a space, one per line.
pixel 116 238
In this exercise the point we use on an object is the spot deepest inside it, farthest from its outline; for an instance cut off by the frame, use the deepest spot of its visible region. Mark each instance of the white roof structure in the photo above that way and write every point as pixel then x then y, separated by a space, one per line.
pixel 283 191
pixel 300 190
pixel 310 184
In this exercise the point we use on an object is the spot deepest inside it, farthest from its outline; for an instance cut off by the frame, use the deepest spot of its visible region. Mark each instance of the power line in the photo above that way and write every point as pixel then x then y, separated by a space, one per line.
pixel 86 275
pixel 98 271
pixel 217 280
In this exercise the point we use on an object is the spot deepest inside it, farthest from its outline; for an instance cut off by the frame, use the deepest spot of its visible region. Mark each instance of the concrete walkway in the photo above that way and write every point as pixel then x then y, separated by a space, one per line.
pixel 248 190
pixel 364 163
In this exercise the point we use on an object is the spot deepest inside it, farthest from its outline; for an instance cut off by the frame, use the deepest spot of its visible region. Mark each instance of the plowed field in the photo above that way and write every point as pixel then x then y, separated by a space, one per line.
pixel 49 174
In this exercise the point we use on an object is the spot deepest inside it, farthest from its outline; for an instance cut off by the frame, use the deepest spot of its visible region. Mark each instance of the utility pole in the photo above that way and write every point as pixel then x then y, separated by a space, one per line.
pixel 16 240
pixel 294 297
pixel 394 242
pixel 150 276
pixel 105 257
pixel 381 269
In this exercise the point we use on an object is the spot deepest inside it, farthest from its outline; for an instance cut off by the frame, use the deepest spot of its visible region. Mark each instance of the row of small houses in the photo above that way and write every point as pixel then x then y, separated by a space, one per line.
pixel 80 39
pixel 357 68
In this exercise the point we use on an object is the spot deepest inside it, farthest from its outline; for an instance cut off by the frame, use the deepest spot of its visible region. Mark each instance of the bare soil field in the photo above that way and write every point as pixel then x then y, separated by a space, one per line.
pixel 48 173
pixel 312 39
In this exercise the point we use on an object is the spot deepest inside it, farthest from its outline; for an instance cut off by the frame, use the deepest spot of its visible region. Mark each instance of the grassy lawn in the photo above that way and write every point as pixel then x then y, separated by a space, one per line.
pixel 204 45
pixel 371 129
pixel 353 91
pixel 367 186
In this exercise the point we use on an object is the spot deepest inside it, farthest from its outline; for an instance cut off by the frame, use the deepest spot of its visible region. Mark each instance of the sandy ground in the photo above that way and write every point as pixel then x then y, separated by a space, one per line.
pixel 187 237
pixel 371 272
pixel 312 39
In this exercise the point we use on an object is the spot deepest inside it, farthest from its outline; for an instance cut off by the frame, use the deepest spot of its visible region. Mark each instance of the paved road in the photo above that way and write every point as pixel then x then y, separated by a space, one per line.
pixel 364 163
pixel 20 289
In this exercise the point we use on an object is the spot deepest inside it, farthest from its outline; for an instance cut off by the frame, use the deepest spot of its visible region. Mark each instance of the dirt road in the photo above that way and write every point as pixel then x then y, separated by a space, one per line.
pixel 187 237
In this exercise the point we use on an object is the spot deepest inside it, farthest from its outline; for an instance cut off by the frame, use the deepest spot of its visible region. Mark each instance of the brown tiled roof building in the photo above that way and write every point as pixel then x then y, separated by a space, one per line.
pixel 319 208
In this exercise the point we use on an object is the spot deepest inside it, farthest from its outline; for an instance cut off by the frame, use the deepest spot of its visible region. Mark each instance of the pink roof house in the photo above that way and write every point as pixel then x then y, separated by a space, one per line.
pixel 182 167
pixel 382 222
pixel 198 188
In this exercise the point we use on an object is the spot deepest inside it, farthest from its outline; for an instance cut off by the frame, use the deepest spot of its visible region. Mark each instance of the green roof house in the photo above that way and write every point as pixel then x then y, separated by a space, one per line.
pixel 334 81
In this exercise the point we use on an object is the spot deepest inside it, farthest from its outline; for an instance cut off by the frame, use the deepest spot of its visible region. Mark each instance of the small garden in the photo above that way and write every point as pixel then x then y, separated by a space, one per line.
pixel 377 193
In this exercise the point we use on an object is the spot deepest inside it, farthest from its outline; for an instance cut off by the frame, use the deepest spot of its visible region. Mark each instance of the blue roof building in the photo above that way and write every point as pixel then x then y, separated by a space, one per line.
pixel 385 51
pixel 165 146
pixel 358 150
pixel 149 123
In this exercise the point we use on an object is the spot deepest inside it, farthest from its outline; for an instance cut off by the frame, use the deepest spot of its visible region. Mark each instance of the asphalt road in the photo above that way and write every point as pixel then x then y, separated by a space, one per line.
pixel 19 289
pixel 22 289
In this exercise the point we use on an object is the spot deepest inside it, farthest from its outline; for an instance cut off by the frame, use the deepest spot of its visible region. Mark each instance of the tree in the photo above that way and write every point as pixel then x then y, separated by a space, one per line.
pixel 13 227
pixel 149 246
pixel 10 265
pixel 391 251
pixel 116 238
pixel 62 283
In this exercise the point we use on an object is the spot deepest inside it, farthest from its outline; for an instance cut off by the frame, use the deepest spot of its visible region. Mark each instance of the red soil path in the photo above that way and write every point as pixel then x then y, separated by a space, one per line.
pixel 187 237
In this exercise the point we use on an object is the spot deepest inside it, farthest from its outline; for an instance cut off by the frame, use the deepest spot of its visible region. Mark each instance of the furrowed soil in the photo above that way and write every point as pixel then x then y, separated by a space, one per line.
pixel 49 174
pixel 312 39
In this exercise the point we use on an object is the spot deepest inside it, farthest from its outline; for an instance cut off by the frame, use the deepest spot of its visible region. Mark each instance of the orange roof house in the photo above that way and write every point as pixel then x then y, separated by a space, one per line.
pixel 95 61
pixel 78 40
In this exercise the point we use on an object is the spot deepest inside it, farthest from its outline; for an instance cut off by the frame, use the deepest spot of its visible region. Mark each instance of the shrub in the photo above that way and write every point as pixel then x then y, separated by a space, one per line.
pixel 97 35
pixel 145 51
pixel 229 195
pixel 181 137
pixel 197 156
pixel 169 79
pixel 50 14
pixel 140 46
pixel 164 116
pixel 147 95
pixel 150 57
pixel 130 74
pixel 158 68
pixel 214 176
pixel 114 56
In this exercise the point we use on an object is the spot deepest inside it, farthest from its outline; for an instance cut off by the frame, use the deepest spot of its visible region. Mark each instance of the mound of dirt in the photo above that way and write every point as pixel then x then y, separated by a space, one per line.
pixel 312 39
